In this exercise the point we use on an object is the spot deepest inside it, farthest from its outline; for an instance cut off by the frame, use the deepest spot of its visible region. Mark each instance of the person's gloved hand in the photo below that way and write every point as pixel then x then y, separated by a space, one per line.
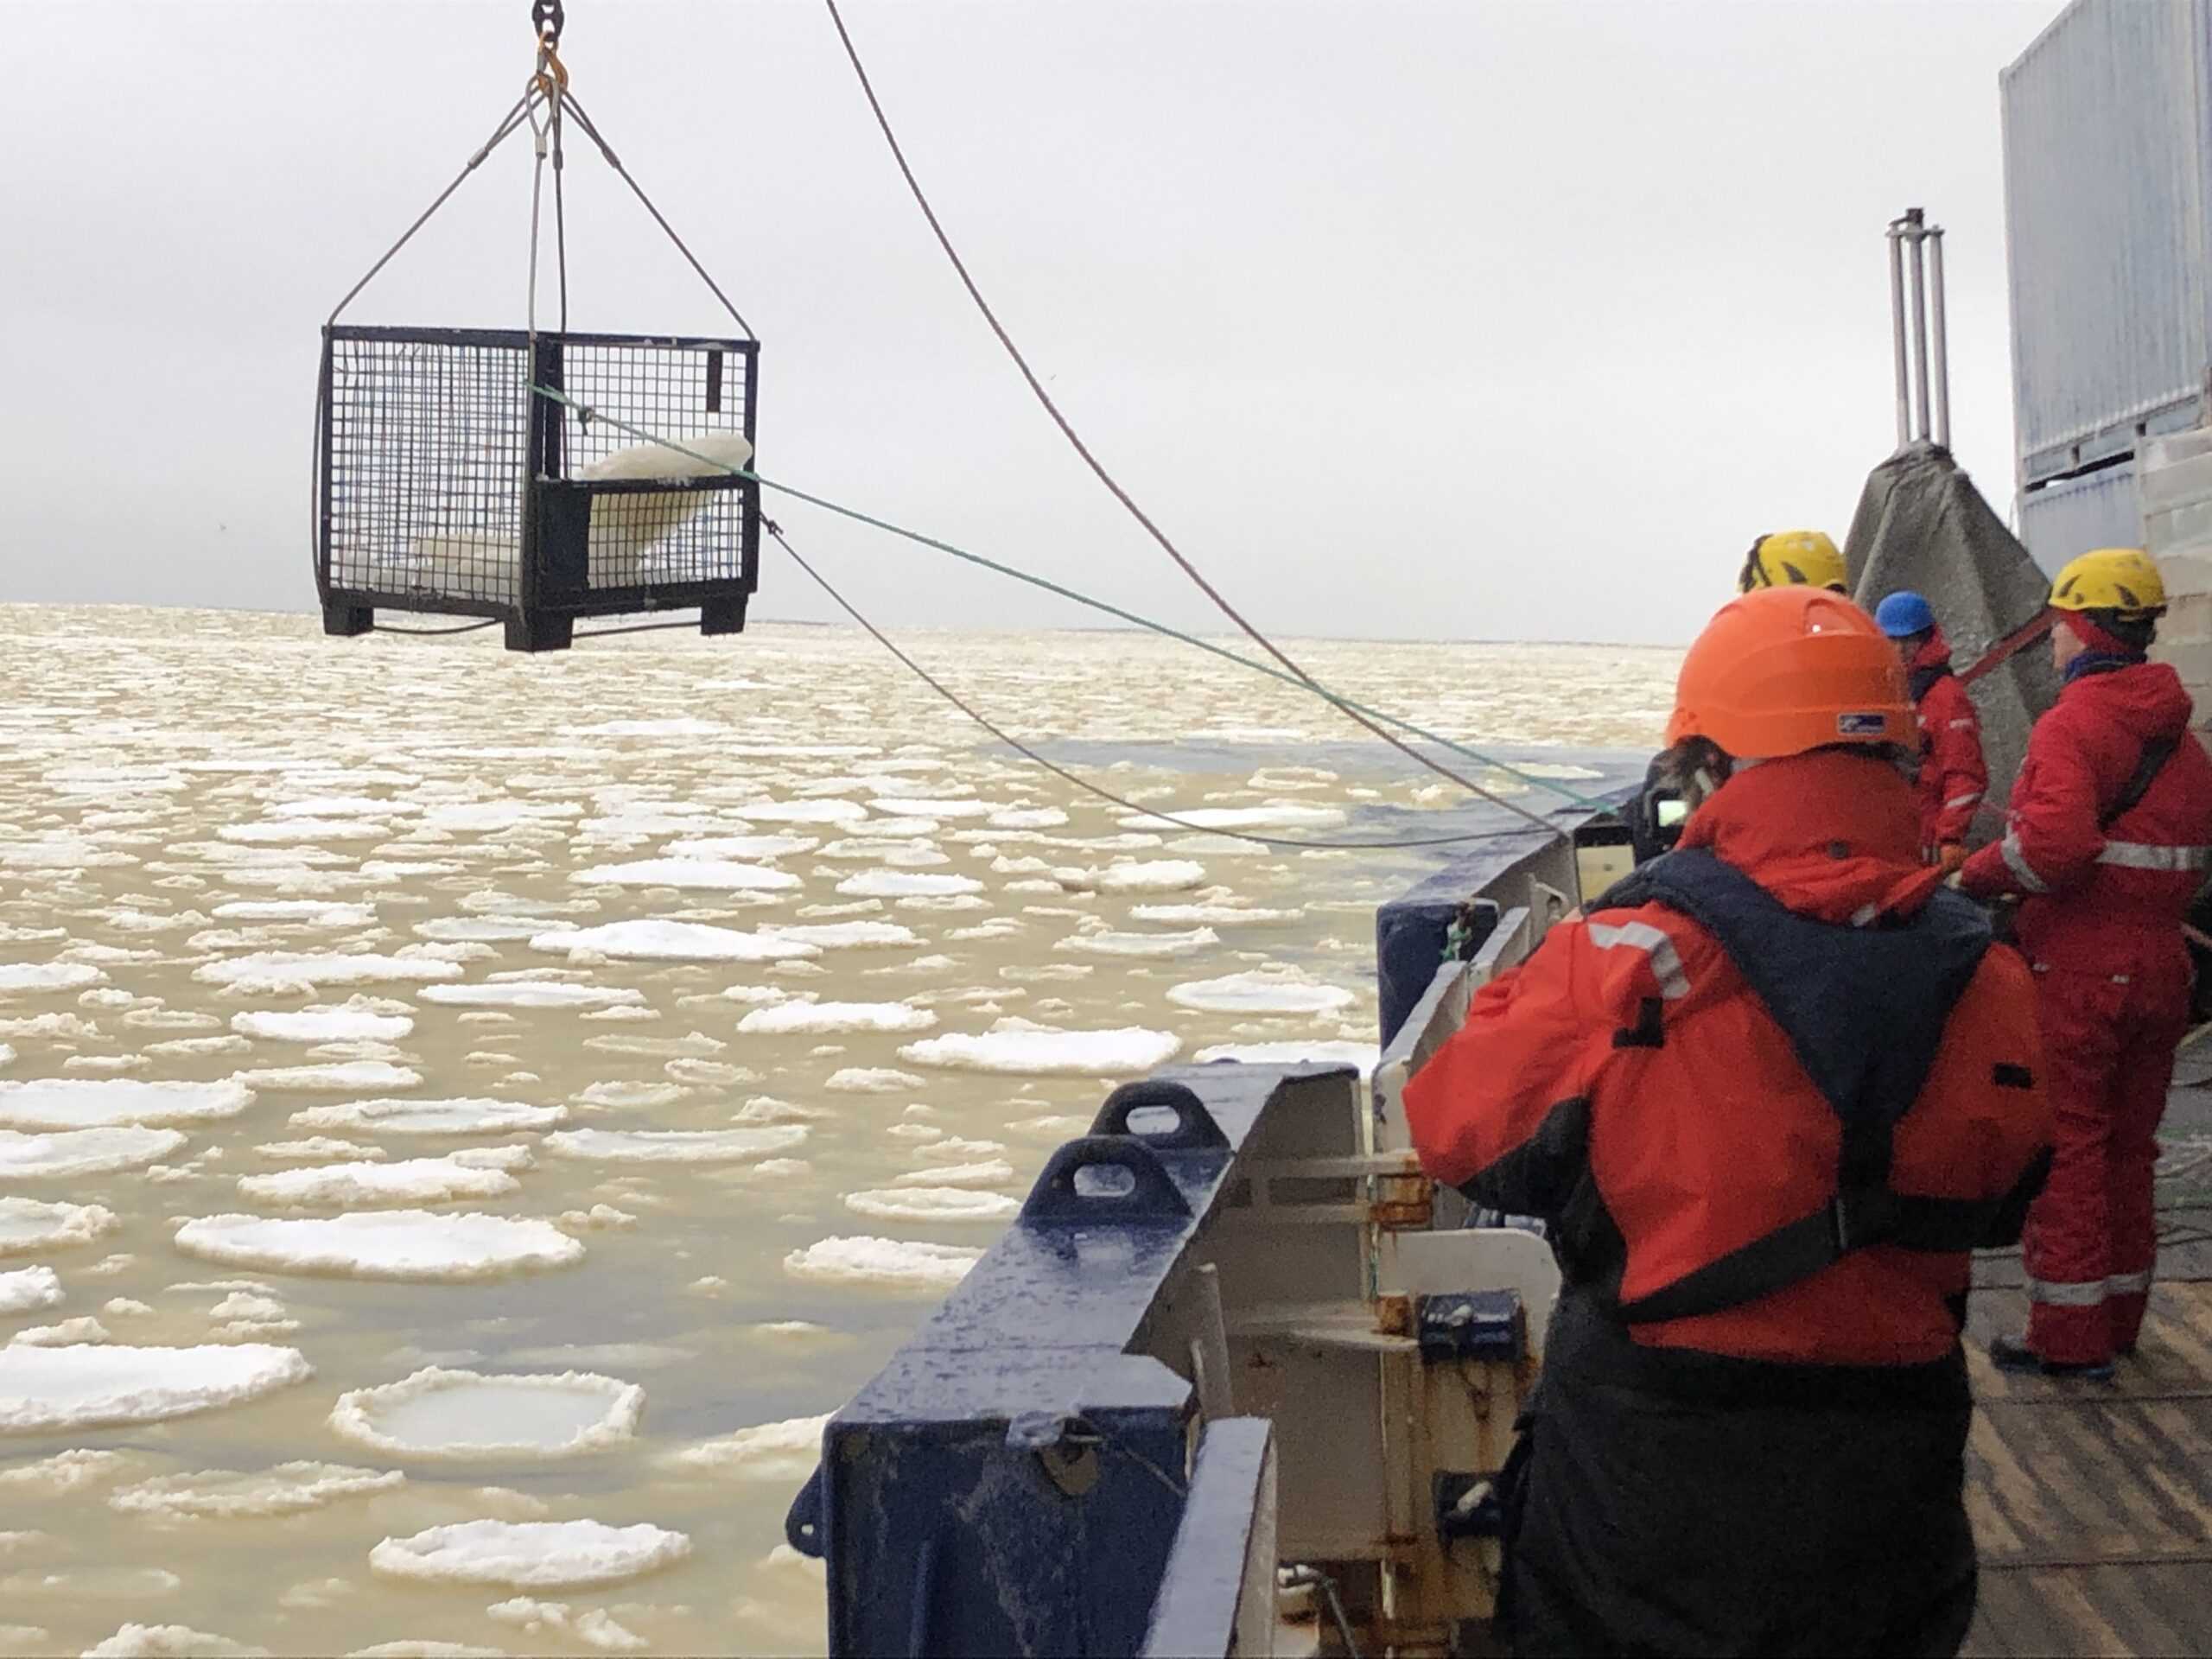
pixel 1949 857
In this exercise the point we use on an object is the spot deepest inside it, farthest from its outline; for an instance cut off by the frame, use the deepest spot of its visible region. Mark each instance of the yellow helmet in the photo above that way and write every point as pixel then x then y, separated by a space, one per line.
pixel 1793 558
pixel 2121 579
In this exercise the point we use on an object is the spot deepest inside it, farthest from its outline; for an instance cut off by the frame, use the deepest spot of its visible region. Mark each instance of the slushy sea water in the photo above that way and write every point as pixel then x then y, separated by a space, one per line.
pixel 464 1118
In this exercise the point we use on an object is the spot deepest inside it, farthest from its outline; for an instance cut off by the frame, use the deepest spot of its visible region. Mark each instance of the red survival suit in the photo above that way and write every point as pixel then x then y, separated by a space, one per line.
pixel 2103 898
pixel 1952 777
pixel 1782 1472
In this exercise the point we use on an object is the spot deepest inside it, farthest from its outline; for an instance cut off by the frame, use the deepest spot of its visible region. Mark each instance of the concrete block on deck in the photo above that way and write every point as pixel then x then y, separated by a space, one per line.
pixel 2186 574
pixel 2176 447
pixel 2179 527
pixel 2187 619
pixel 2192 660
pixel 2176 483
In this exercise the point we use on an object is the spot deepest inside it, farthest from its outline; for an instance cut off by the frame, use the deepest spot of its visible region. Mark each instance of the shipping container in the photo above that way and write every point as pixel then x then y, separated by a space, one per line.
pixel 2107 171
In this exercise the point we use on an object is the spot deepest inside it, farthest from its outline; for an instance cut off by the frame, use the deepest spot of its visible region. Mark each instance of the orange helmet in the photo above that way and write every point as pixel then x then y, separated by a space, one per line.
pixel 1785 670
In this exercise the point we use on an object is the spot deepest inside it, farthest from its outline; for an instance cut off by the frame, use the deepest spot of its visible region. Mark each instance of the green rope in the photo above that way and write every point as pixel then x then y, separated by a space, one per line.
pixel 1051 587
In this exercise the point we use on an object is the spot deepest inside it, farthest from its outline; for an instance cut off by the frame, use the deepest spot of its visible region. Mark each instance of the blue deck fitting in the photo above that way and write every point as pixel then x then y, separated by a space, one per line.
pixel 1012 1482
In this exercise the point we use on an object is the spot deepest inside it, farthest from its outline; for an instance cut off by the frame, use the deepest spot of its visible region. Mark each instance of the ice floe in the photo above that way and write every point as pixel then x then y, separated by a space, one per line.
pixel 1020 1047
pixel 907 884
pixel 630 1096
pixel 84 1103
pixel 277 831
pixel 930 1204
pixel 529 1554
pixel 534 994
pixel 322 1148
pixel 499 814
pixel 674 1146
pixel 595 1627
pixel 846 936
pixel 285 1489
pixel 723 875
pixel 279 968
pixel 823 811
pixel 1211 915
pixel 796 1016
pixel 1153 875
pixel 34 976
pixel 786 1451
pixel 339 1075
pixel 411 1180
pixel 995 1172
pixel 660 941
pixel 44 1390
pixel 488 929
pixel 33 1224
pixel 170 1642
pixel 870 1080
pixel 458 1416
pixel 1142 945
pixel 1276 990
pixel 311 912
pixel 740 846
pixel 915 807
pixel 69 1333
pixel 463 1115
pixel 890 1264
pixel 29 1290
pixel 54 1154
pixel 358 1020
pixel 419 1245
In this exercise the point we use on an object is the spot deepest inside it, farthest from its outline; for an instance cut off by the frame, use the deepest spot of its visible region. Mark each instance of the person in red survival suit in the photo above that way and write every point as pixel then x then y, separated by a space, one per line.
pixel 2106 840
pixel 1767 1095
pixel 1953 777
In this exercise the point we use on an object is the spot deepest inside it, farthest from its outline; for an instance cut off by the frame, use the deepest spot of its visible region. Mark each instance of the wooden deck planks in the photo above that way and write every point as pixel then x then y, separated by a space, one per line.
pixel 2093 1505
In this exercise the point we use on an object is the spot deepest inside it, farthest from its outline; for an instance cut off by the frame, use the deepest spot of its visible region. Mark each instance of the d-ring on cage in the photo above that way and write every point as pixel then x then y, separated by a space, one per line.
pixel 448 484
pixel 536 476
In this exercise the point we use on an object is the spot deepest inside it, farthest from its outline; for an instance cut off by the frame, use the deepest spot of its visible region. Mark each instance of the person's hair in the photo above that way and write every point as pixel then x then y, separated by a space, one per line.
pixel 2133 629
pixel 1696 767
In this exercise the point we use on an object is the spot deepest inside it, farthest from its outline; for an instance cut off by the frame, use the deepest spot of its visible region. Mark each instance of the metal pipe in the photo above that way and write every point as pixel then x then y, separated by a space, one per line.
pixel 1896 334
pixel 1919 326
pixel 1942 417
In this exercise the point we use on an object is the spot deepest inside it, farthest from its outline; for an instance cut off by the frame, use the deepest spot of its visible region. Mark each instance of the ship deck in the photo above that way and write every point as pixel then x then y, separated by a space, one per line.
pixel 2093 1505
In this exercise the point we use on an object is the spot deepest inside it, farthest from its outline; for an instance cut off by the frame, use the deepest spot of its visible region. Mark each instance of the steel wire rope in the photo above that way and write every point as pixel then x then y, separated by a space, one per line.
pixel 1062 772
pixel 569 100
pixel 1097 468
pixel 465 627
pixel 1105 607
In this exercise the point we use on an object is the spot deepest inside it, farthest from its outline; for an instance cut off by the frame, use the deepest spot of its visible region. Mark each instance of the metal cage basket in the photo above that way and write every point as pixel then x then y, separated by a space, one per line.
pixel 446 483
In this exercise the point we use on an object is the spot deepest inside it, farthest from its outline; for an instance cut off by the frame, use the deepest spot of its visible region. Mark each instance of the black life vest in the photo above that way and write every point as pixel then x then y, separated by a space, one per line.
pixel 1864 1010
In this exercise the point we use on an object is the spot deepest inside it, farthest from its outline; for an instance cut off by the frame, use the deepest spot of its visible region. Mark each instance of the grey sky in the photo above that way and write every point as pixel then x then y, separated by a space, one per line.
pixel 1454 319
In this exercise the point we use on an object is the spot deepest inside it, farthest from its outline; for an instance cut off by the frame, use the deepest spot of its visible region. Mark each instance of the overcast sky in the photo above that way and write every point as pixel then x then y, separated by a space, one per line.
pixel 1464 319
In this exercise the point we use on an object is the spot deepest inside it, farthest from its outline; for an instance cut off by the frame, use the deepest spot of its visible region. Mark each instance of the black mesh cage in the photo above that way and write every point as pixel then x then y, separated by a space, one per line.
pixel 447 485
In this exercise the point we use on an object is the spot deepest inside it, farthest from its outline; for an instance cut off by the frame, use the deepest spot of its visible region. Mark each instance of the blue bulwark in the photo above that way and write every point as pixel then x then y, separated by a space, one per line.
pixel 1219 1591
pixel 1011 1483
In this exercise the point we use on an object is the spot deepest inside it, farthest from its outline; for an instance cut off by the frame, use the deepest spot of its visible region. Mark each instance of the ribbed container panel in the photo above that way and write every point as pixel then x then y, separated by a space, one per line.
pixel 2106 185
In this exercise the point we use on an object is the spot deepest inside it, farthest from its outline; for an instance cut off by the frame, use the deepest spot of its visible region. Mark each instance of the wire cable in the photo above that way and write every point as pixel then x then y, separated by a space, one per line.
pixel 1097 468
pixel 1082 783
pixel 513 119
pixel 640 628
pixel 466 628
pixel 584 121
pixel 1106 608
